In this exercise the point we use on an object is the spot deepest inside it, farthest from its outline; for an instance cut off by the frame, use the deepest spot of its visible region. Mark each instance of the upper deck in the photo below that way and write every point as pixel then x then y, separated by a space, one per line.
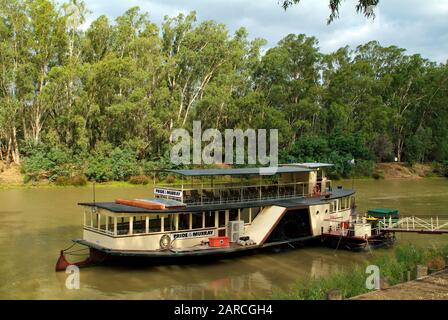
pixel 225 186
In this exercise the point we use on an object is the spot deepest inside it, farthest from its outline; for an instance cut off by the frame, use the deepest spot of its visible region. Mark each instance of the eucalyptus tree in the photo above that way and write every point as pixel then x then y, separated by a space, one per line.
pixel 365 7
pixel 64 87
pixel 289 76
pixel 195 55
pixel 47 29
pixel 15 81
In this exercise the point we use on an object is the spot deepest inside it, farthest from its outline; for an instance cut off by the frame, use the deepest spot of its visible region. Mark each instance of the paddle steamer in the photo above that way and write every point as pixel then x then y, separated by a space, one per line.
pixel 216 212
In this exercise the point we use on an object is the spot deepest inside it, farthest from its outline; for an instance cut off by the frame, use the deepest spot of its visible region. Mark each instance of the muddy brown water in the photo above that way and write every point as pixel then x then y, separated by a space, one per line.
pixel 36 223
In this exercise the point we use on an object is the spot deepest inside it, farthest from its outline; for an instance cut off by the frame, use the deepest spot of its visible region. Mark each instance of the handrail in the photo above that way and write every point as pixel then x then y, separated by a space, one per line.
pixel 227 186
pixel 429 224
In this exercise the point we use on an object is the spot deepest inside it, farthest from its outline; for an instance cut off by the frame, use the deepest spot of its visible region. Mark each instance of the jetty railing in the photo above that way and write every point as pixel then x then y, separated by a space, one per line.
pixel 436 225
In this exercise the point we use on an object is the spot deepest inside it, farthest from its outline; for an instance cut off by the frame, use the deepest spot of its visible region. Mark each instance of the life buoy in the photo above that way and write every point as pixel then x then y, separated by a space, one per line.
pixel 165 242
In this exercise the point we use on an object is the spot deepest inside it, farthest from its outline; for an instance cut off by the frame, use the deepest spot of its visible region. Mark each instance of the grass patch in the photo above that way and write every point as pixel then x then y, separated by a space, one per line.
pixel 351 283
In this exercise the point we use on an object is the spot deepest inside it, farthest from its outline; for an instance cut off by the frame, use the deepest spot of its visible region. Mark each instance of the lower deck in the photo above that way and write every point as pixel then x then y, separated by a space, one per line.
pixel 233 248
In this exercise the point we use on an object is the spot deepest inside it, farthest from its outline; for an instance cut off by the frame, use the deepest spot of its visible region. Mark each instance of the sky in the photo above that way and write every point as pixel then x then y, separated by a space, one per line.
pixel 416 25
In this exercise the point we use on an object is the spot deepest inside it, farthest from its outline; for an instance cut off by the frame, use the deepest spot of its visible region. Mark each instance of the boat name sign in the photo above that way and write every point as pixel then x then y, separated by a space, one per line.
pixel 194 234
pixel 168 192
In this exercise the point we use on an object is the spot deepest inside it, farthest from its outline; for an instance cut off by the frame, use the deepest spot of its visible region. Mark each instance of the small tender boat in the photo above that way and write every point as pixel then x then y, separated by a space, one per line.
pixel 222 212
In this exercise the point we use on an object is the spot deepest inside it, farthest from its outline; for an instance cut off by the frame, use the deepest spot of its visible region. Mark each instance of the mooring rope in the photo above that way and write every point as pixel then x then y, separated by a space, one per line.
pixel 74 244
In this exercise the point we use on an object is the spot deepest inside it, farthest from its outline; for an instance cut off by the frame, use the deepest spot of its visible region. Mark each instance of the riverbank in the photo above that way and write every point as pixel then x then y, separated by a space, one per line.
pixel 432 287
pixel 12 177
pixel 393 170
pixel 394 270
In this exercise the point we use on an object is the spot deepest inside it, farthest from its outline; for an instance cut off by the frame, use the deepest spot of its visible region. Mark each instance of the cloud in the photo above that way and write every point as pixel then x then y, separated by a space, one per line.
pixel 418 26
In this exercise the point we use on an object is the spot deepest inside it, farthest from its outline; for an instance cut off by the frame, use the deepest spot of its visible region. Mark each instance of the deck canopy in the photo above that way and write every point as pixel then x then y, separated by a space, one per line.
pixel 238 171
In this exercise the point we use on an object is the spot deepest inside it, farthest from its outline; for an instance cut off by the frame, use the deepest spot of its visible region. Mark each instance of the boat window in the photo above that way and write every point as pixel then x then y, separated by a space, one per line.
pixel 221 219
pixel 196 220
pixel 102 222
pixel 333 206
pixel 184 221
pixel 233 215
pixel 107 223
pixel 168 223
pixel 123 225
pixel 139 225
pixel 255 212
pixel 244 215
pixel 95 220
pixel 345 203
pixel 209 219
pixel 155 223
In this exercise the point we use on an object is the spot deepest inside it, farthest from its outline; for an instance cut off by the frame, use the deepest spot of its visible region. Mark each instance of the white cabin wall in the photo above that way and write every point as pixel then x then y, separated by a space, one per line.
pixel 317 219
pixel 143 242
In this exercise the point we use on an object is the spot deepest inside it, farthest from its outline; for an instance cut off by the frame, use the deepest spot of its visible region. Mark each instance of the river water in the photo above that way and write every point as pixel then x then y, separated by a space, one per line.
pixel 36 223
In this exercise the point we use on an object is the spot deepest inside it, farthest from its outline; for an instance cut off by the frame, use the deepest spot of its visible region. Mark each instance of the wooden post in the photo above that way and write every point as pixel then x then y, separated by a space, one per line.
pixel 422 271
pixel 384 283
pixel 334 294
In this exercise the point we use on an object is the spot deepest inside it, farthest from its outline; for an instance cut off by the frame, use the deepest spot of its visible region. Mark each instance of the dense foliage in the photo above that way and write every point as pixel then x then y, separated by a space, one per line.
pixel 103 101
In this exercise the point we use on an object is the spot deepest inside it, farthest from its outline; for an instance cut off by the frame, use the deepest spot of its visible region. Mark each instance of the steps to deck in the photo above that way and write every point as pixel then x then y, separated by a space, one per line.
pixel 264 223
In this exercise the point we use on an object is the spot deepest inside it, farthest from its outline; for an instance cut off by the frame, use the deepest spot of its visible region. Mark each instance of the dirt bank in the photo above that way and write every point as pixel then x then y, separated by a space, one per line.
pixel 433 287
pixel 10 175
pixel 403 171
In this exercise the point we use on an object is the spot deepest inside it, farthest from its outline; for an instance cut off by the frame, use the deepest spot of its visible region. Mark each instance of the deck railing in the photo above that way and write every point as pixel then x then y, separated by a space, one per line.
pixel 222 194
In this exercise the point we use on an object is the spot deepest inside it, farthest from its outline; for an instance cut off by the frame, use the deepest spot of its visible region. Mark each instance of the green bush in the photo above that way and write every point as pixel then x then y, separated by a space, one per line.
pixel 170 179
pixel 99 169
pixel 124 164
pixel 445 169
pixel 364 168
pixel 48 163
pixel 378 175
pixel 77 181
pixel 409 256
pixel 144 180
